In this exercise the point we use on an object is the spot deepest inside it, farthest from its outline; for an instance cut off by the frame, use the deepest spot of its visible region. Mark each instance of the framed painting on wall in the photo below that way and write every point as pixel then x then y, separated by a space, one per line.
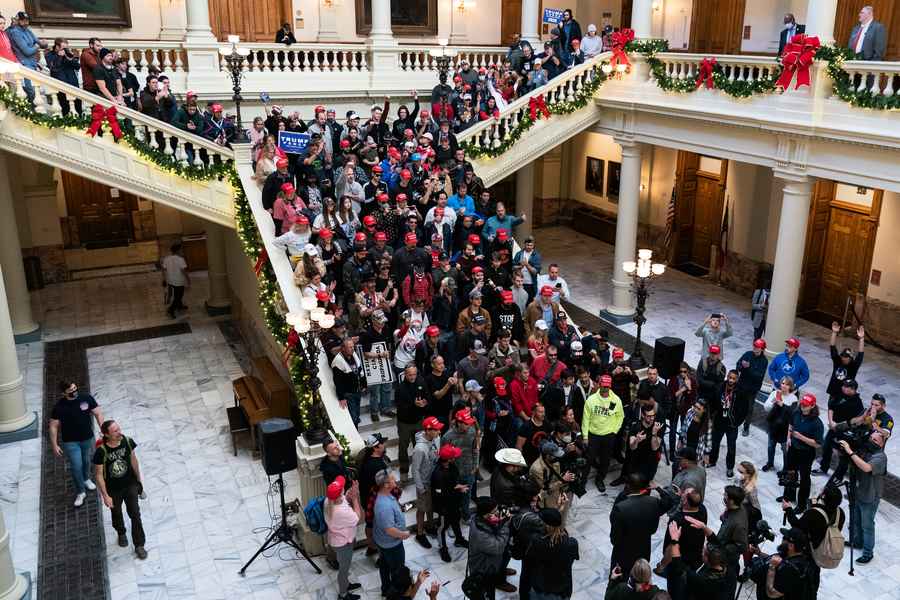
pixel 593 176
pixel 409 18
pixel 612 181
pixel 80 13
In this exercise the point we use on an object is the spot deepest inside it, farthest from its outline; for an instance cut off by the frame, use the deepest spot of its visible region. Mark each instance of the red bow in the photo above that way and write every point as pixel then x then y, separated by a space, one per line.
pixel 535 104
pixel 705 74
pixel 797 58
pixel 98 114
pixel 619 40
pixel 260 261
pixel 293 341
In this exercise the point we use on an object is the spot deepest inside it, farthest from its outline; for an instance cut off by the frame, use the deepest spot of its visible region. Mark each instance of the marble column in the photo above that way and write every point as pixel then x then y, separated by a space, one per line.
pixel 530 16
pixel 820 15
pixel 13 416
pixel 219 293
pixel 173 20
pixel 622 307
pixel 789 251
pixel 11 259
pixel 12 586
pixel 642 19
pixel 381 22
pixel 525 199
pixel 198 27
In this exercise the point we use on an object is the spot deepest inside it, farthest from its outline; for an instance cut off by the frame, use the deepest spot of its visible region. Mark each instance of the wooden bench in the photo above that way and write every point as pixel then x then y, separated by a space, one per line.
pixel 237 423
pixel 249 397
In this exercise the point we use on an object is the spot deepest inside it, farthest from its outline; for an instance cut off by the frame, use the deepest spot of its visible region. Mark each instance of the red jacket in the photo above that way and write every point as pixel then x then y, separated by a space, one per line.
pixel 524 395
pixel 541 366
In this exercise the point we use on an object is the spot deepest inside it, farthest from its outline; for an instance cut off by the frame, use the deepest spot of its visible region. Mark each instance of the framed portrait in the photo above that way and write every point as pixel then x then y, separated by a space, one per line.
pixel 408 17
pixel 593 176
pixel 612 181
pixel 75 13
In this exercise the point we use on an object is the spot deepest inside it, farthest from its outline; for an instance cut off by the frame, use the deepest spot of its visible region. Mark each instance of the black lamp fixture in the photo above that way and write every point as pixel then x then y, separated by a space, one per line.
pixel 309 325
pixel 234 60
pixel 641 271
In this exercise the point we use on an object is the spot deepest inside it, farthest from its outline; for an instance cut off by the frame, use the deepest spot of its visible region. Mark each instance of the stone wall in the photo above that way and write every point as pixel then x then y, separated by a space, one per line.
pixel 740 273
pixel 882 321
pixel 53 262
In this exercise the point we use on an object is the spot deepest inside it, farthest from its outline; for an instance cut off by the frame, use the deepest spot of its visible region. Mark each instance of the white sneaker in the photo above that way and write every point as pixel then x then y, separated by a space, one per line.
pixel 90 485
pixel 79 499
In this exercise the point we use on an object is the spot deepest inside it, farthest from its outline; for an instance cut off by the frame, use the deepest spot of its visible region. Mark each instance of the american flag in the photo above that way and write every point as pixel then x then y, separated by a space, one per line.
pixel 723 238
pixel 670 222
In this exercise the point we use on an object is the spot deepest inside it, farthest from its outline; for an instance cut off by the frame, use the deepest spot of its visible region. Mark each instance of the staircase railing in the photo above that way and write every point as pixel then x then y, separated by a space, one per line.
pixel 491 133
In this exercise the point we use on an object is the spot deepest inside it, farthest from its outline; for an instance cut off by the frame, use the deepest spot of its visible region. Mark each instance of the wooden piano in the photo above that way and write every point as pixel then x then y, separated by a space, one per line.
pixel 262 395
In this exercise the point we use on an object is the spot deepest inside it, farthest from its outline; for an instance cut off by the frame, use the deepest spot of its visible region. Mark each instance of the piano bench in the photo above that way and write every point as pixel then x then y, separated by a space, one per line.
pixel 237 422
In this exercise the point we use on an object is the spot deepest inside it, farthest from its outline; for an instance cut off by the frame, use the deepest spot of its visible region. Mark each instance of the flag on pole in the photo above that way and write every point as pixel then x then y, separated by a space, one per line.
pixel 670 223
pixel 723 238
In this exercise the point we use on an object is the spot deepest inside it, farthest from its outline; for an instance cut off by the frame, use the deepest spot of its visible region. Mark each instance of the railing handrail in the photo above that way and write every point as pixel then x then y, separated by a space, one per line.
pixel 273 46
pixel 883 66
pixel 130 44
pixel 522 102
pixel 748 59
pixel 123 111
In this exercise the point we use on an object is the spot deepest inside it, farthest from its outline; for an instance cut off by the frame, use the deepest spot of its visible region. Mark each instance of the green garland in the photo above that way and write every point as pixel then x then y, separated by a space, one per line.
pixel 563 107
pixel 844 87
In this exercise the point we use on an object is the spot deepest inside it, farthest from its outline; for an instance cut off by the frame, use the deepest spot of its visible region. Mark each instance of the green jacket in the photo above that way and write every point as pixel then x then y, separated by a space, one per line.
pixel 181 118
pixel 602 416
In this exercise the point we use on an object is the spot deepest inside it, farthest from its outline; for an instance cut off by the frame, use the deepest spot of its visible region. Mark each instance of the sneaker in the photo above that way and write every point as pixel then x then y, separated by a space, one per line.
pixel 390 414
pixel 461 543
pixel 79 499
pixel 90 485
pixel 601 487
pixel 141 553
pixel 445 554
pixel 729 473
pixel 510 572
pixel 375 418
pixel 767 467
pixel 349 596
pixel 617 481
pixel 746 432
pixel 332 563
pixel 864 559
pixel 353 586
pixel 819 472
pixel 123 540
pixel 423 541
pixel 711 466
pixel 506 587
pixel 371 551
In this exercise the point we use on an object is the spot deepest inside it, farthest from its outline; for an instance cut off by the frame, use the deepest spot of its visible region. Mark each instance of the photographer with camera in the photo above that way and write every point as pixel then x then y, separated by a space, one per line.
pixel 546 472
pixel 706 581
pixel 789 573
pixel 822 523
pixel 871 468
pixel 507 478
pixel 804 436
pixel 845 412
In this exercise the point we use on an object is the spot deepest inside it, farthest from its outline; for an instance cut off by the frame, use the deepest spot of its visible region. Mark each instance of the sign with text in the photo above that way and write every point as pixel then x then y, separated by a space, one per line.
pixel 378 370
pixel 553 15
pixel 292 142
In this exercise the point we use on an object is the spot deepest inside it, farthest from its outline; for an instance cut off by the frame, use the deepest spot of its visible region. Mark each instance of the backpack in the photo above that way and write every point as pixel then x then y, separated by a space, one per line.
pixel 314 511
pixel 829 553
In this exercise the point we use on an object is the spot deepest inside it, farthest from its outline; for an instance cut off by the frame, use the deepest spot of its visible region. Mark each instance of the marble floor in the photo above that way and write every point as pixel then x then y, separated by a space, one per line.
pixel 679 303
pixel 206 509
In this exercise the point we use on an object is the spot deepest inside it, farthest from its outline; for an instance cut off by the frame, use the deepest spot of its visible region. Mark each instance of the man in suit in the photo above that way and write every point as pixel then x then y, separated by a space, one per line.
pixel 868 40
pixel 791 28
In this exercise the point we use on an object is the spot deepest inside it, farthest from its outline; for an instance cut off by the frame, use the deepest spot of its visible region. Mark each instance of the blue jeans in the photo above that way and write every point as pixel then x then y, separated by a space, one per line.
pixel 79 455
pixel 353 403
pixel 465 499
pixel 381 398
pixel 772 443
pixel 864 526
pixel 392 560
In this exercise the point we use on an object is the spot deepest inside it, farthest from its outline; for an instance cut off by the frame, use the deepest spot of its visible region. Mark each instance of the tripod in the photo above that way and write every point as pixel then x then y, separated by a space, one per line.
pixel 851 501
pixel 283 534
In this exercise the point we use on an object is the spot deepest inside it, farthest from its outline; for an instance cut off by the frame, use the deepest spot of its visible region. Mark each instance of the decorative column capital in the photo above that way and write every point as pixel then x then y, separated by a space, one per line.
pixel 792 176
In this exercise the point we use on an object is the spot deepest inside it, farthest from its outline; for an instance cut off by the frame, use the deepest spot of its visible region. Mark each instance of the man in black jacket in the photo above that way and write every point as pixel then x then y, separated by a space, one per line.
pixel 634 519
pixel 412 407
pixel 728 415
pixel 274 182
pixel 653 387
pixel 349 378
pixel 751 368
pixel 711 376
pixel 732 536
pixel 706 582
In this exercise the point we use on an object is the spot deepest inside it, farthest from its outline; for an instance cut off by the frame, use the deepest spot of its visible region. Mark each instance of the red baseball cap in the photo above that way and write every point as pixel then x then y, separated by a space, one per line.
pixel 432 423
pixel 325 233
pixel 382 197
pixel 401 197
pixel 408 132
pixel 477 269
pixel 449 452
pixel 465 416
pixel 424 113
pixel 369 221
pixel 474 239
pixel 287 188
pixel 281 163
pixel 216 108
pixel 433 331
pixel 618 353
pixel 760 343
pixel 377 169
pixel 792 342
pixel 808 400
pixel 405 174
pixel 506 296
pixel 322 296
pixel 546 291
pixel 502 235
pixel 605 381
pixel 500 386
pixel 359 237
pixel 380 236
pixel 335 488
pixel 439 211
pixel 345 144
pixel 714 349
pixel 411 238
pixel 302 219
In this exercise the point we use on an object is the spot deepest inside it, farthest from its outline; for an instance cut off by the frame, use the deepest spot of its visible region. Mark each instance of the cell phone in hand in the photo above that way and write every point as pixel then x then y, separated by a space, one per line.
pixel 264 96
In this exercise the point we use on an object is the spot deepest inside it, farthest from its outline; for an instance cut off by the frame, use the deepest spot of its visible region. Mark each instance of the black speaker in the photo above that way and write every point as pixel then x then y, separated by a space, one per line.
pixel 277 444
pixel 667 356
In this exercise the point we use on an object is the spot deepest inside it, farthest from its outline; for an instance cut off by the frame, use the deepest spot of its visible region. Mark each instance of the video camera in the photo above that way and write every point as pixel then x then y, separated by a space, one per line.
pixel 856 436
pixel 756 569
pixel 762 532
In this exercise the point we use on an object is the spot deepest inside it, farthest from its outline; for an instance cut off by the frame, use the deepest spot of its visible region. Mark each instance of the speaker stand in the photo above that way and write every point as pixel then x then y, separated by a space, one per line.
pixel 283 534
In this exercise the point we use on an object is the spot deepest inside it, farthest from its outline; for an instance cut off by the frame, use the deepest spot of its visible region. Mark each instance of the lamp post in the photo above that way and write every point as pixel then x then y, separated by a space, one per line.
pixel 641 271
pixel 442 55
pixel 234 59
pixel 309 327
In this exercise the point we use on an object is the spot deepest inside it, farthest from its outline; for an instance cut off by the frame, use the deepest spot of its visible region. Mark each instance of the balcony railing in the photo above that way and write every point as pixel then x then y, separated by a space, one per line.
pixel 880 78
pixel 168 57
pixel 418 58
pixel 737 68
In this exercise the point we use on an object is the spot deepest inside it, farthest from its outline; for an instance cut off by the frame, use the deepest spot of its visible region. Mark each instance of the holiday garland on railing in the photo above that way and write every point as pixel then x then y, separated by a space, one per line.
pixel 844 86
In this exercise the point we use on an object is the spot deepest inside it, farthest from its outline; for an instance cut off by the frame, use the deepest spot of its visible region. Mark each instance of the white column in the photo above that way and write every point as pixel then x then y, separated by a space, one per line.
pixel 525 199
pixel 642 19
pixel 530 16
pixel 11 259
pixel 626 227
pixel 219 292
pixel 198 28
pixel 820 15
pixel 12 586
pixel 789 251
pixel 13 415
pixel 381 22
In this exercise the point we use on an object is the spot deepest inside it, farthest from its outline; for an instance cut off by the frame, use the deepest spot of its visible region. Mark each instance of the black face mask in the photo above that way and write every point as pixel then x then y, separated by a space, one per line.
pixel 872 446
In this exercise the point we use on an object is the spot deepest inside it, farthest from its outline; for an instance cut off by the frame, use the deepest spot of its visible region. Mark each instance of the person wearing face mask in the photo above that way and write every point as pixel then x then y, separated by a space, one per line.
pixel 72 416
pixel 790 574
pixel 791 28
pixel 731 538
pixel 488 553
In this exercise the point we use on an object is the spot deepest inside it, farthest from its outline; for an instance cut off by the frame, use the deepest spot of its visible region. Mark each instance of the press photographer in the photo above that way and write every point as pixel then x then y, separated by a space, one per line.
pixel 787 574
pixel 546 472
pixel 870 463
pixel 706 582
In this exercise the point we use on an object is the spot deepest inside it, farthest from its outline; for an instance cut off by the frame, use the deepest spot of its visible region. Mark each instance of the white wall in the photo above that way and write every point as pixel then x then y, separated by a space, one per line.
pixel 748 190
pixel 168 219
pixel 887 242
pixel 673 22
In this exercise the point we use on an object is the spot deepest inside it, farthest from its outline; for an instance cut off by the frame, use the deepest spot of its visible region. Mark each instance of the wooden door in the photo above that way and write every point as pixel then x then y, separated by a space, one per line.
pixel 627 6
pixel 707 218
pixel 700 201
pixel 102 214
pixel 685 195
pixel 253 20
pixel 887 12
pixel 510 20
pixel 816 235
pixel 717 26
pixel 848 257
